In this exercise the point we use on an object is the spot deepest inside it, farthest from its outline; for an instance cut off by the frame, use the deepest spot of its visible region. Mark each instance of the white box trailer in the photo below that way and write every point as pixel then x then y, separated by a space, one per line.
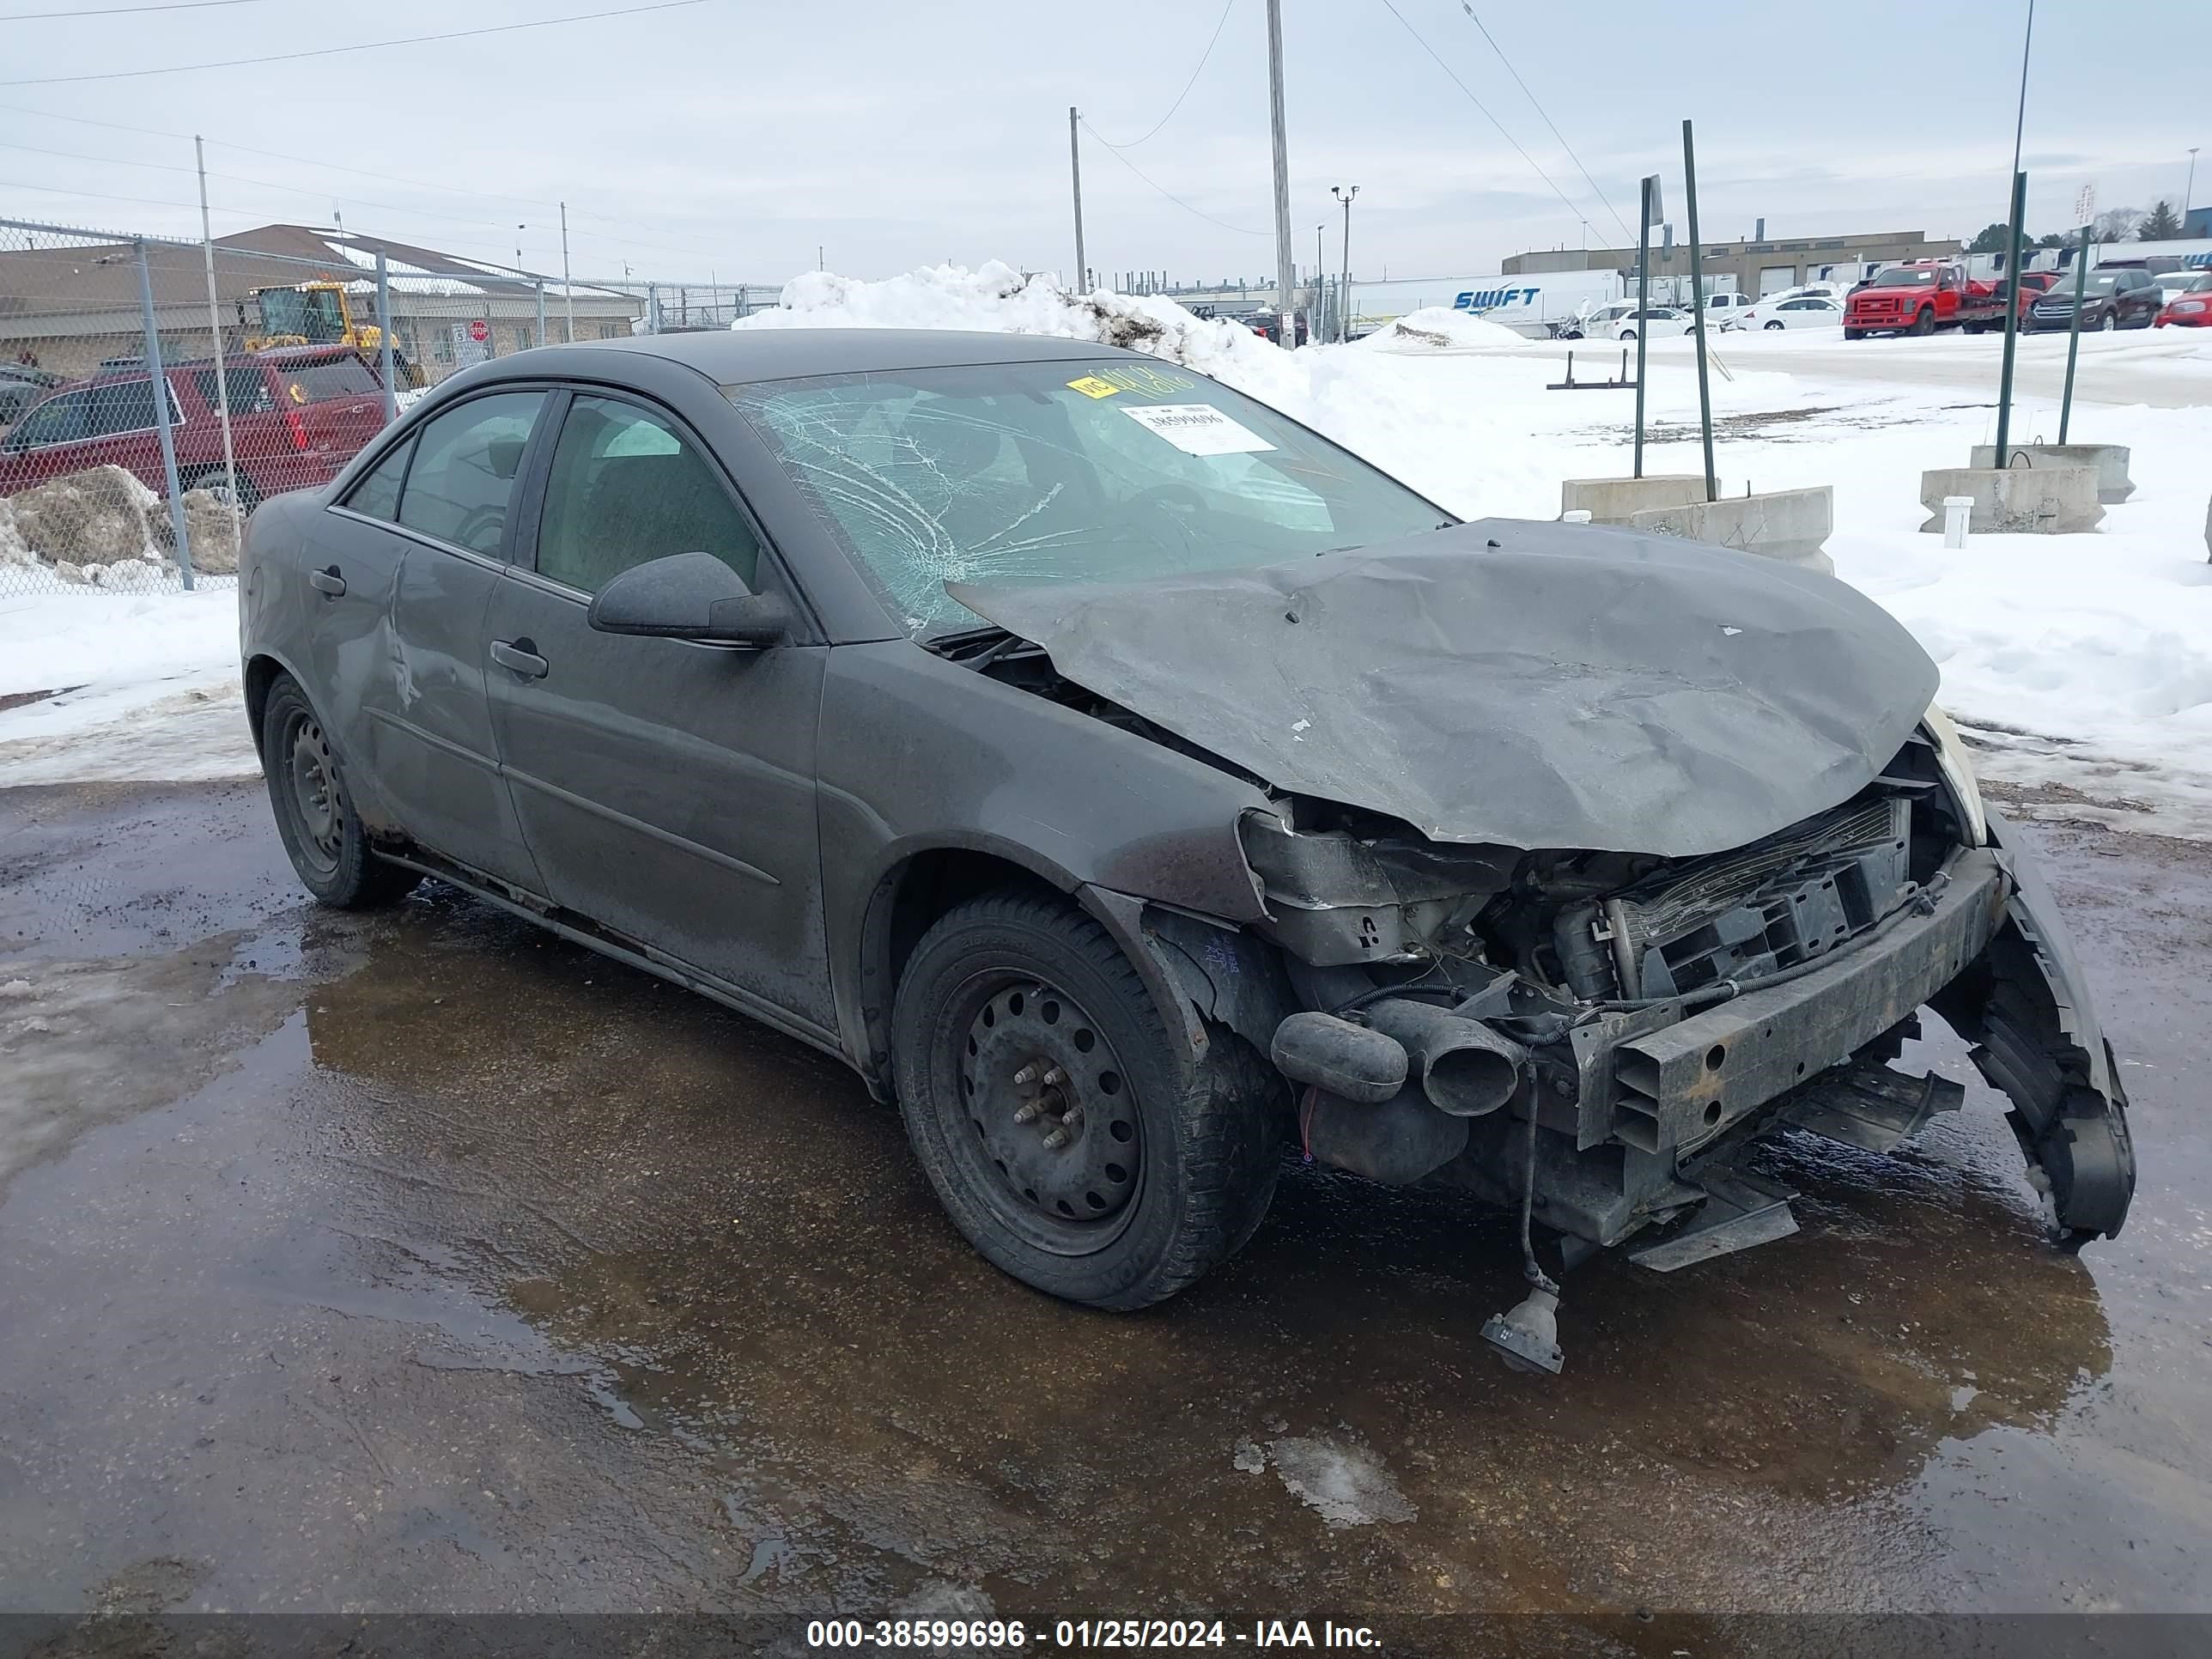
pixel 1547 297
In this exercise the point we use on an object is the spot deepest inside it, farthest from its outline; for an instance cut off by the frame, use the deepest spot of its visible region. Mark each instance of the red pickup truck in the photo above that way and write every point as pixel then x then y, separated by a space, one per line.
pixel 1926 294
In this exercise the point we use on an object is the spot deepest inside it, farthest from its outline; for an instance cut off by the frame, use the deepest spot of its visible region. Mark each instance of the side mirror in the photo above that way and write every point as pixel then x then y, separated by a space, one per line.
pixel 688 596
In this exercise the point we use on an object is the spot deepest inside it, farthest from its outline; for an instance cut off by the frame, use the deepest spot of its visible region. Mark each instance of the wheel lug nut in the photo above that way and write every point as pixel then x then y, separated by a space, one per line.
pixel 1058 1138
pixel 1029 1111
pixel 1054 1078
pixel 1026 1076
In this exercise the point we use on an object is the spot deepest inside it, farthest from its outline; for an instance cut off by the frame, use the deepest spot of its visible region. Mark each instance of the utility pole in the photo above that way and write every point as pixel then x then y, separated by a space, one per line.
pixel 1321 283
pixel 1285 321
pixel 1344 282
pixel 1082 283
pixel 568 293
pixel 2012 291
pixel 2189 190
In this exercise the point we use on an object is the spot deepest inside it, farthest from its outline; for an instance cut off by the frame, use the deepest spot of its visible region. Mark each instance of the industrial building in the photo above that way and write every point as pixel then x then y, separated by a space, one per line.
pixel 1753 265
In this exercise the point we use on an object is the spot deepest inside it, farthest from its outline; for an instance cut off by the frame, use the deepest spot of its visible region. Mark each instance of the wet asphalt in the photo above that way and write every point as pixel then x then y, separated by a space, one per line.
pixel 424 1262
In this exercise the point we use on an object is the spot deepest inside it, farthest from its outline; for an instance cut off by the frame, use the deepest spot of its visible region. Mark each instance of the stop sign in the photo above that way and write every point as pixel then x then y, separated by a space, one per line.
pixel 479 331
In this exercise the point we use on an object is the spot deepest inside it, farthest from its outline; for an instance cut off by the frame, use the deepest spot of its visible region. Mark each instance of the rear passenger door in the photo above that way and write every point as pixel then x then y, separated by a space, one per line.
pixel 666 788
pixel 408 562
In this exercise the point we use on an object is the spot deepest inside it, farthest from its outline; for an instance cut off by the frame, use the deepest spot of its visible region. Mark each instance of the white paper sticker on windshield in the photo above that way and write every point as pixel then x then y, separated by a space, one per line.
pixel 1197 428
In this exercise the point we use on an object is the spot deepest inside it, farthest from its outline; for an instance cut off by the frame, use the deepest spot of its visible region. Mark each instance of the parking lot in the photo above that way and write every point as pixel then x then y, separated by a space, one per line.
pixel 426 1261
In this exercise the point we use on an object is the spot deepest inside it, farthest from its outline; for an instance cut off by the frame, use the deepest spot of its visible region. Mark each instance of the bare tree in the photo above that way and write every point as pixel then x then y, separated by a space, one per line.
pixel 2118 224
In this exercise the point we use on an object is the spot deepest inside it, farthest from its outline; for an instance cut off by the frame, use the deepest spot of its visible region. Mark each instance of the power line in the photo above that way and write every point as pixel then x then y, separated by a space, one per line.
pixel 364 46
pixel 1538 108
pixel 119 11
pixel 1390 6
pixel 1170 194
pixel 333 166
pixel 1179 96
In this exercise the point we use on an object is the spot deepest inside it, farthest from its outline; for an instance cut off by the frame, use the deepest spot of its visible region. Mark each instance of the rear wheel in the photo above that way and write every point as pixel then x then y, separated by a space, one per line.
pixel 1774 325
pixel 1065 1134
pixel 1628 334
pixel 315 819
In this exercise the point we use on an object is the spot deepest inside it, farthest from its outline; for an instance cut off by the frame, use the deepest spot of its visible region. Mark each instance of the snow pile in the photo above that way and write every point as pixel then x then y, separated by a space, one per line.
pixel 1438 328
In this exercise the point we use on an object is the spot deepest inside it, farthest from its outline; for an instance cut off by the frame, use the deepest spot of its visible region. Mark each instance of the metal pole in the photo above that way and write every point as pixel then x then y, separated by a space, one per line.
pixel 540 286
pixel 1697 311
pixel 1643 305
pixel 1288 335
pixel 2020 122
pixel 2189 190
pixel 567 293
pixel 651 306
pixel 2012 318
pixel 384 340
pixel 161 407
pixel 1320 286
pixel 1082 283
pixel 2074 335
pixel 222 368
pixel 1344 283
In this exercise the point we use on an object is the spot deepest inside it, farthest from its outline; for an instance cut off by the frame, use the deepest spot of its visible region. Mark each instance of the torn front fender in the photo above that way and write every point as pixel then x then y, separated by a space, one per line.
pixel 2026 1008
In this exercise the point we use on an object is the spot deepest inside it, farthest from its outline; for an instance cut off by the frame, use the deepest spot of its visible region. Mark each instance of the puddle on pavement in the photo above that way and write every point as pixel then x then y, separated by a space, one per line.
pixel 682 1277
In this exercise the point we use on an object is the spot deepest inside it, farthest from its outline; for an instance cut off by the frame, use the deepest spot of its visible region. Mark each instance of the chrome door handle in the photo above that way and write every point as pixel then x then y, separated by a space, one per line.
pixel 516 655
pixel 327 581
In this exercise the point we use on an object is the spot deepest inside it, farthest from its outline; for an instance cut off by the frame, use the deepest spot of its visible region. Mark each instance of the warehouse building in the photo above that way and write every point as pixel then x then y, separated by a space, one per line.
pixel 1753 266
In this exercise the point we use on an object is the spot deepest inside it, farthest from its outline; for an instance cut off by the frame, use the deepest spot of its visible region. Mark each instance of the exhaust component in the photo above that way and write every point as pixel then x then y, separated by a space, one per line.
pixel 1340 1058
pixel 1397 1141
pixel 1465 1068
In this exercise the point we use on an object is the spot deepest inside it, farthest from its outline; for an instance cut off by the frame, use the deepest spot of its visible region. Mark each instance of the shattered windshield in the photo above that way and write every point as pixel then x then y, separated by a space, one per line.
pixel 1032 472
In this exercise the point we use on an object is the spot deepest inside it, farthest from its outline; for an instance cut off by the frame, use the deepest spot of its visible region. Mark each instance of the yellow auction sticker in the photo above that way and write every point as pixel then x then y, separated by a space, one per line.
pixel 1092 386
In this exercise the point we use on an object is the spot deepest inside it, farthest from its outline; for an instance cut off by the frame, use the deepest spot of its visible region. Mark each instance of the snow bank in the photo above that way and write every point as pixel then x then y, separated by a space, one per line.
pixel 1439 328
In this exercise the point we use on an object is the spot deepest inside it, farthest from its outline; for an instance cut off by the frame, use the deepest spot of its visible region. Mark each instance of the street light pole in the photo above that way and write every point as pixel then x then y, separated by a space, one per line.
pixel 1283 278
pixel 1344 282
pixel 1082 283
pixel 1321 283
pixel 2189 190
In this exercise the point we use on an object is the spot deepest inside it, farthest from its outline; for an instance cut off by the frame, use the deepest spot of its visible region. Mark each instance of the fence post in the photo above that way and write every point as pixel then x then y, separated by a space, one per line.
pixel 653 308
pixel 541 339
pixel 221 361
pixel 384 339
pixel 163 402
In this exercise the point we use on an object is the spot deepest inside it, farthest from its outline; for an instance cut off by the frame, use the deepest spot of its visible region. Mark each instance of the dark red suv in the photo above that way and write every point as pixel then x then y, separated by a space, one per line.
pixel 298 414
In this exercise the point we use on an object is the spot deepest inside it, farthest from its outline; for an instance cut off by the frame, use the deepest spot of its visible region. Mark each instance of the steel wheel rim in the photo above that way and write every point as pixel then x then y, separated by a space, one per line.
pixel 1044 1115
pixel 318 803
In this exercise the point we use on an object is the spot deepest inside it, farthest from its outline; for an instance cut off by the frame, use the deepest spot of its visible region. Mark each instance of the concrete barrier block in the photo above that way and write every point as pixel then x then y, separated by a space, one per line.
pixel 1613 501
pixel 1789 524
pixel 2049 501
pixel 2111 461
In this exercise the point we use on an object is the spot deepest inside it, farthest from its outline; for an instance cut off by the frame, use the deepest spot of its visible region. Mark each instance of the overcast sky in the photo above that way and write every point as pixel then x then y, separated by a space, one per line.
pixel 733 137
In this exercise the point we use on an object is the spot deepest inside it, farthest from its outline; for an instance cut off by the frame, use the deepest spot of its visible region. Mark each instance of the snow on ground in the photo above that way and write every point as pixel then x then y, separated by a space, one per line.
pixel 2084 662
pixel 146 684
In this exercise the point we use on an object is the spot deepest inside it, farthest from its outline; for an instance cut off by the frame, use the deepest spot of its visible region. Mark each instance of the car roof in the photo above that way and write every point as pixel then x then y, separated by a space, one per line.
pixel 734 356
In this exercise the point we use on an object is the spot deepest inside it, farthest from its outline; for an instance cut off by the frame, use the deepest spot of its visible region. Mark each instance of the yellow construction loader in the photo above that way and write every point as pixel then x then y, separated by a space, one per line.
pixel 317 314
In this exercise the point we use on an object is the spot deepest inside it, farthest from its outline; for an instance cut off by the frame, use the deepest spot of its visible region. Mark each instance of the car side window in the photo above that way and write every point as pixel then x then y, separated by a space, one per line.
pixel 461 488
pixel 377 494
pixel 114 406
pixel 627 486
pixel 57 420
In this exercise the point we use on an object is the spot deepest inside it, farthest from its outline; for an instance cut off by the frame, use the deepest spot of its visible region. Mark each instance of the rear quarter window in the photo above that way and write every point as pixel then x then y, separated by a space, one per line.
pixel 336 379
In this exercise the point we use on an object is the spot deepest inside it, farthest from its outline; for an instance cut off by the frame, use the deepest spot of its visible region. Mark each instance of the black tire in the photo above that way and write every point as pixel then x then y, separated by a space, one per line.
pixel 1171 1164
pixel 1628 334
pixel 1924 324
pixel 322 834
pixel 1774 325
pixel 2108 322
pixel 219 478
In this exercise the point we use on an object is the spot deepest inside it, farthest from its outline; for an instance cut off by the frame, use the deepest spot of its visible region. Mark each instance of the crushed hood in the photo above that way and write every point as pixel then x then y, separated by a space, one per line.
pixel 1541 685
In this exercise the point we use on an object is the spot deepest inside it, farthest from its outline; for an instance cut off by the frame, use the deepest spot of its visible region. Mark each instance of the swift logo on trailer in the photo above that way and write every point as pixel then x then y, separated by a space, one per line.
pixel 1484 299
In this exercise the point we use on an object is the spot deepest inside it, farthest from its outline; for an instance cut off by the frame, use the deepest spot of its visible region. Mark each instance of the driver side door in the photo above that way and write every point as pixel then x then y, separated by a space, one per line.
pixel 665 786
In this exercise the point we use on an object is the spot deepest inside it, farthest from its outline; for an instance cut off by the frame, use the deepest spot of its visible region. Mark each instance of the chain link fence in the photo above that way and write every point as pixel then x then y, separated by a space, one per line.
pixel 153 391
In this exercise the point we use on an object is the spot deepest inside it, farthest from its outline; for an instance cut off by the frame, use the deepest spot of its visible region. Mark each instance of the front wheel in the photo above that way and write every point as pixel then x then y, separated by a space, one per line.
pixel 315 819
pixel 2107 322
pixel 1067 1134
pixel 1924 324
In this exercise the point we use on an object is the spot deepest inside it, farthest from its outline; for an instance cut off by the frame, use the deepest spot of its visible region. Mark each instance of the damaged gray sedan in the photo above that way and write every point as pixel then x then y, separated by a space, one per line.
pixel 1131 783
